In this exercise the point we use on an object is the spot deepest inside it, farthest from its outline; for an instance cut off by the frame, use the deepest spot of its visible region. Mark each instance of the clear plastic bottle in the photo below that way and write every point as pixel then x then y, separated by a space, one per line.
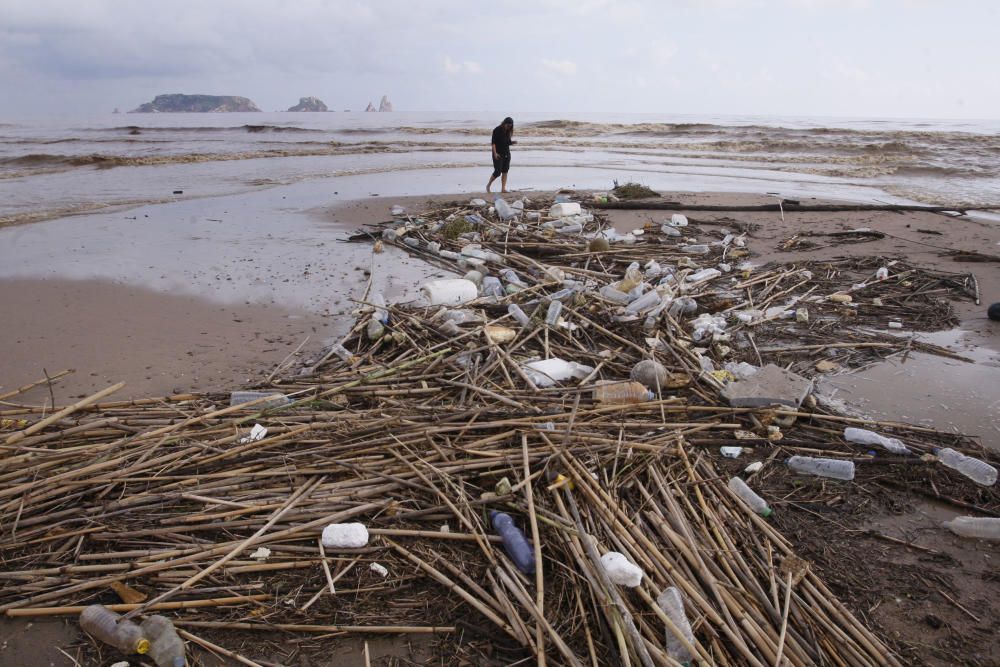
pixel 633 278
pixel 165 647
pixel 492 287
pixel 862 436
pixel 672 604
pixel 101 623
pixel 519 315
pixel 833 468
pixel 614 295
pixel 275 399
pixel 696 249
pixel 514 542
pixel 622 393
pixel 381 311
pixel 552 316
pixel 978 471
pixel 982 528
pixel 647 301
pixel 747 495
pixel 504 210
pixel 343 353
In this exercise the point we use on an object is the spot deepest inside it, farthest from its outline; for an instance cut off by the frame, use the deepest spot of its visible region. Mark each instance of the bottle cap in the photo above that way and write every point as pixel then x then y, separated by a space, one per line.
pixel 766 512
pixel 142 646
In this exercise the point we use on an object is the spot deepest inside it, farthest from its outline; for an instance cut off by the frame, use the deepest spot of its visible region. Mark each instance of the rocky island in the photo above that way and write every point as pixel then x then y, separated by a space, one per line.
pixel 179 103
pixel 309 104
pixel 383 105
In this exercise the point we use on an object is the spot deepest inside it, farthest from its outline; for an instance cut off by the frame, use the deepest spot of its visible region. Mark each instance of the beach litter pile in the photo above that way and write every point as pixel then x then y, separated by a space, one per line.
pixel 583 446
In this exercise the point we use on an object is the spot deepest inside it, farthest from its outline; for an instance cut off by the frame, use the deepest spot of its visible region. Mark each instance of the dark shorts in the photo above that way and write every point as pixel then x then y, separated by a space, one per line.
pixel 501 166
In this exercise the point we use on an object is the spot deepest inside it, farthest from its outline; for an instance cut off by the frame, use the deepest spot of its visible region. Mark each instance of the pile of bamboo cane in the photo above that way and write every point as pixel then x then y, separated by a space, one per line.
pixel 418 436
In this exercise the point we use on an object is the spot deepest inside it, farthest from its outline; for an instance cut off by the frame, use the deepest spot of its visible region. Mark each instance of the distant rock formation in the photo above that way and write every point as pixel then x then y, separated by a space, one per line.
pixel 371 107
pixel 178 103
pixel 309 104
pixel 385 104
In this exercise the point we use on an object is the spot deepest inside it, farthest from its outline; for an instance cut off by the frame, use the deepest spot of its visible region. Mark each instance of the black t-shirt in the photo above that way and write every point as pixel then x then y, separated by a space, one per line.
pixel 501 140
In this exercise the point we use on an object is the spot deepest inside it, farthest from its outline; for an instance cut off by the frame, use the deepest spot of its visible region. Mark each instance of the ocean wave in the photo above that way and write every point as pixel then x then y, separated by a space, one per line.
pixel 206 129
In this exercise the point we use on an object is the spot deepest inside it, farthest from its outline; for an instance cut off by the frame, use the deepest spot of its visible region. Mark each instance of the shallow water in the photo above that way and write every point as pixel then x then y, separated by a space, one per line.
pixel 50 167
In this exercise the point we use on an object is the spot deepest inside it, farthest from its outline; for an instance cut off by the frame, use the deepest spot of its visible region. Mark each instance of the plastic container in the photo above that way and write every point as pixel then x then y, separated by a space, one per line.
pixel 684 305
pixel 449 291
pixel 165 647
pixel 678 220
pixel 547 372
pixel 978 471
pixel 672 604
pixel 492 287
pixel 978 527
pixel 275 399
pixel 696 249
pixel 552 315
pixel 620 570
pixel 704 274
pixel 519 315
pixel 504 210
pixel 833 468
pixel 105 625
pixel 614 295
pixel 516 545
pixel 342 353
pixel 510 275
pixel 375 329
pixel 633 278
pixel 622 393
pixel 747 495
pixel 345 535
pixel 381 311
pixel 571 228
pixel 862 436
pixel 646 302
pixel 565 209
pixel 474 276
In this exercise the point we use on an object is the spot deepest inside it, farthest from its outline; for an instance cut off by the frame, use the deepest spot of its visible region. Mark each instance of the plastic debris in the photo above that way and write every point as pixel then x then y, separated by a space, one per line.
pixel 620 570
pixel 345 535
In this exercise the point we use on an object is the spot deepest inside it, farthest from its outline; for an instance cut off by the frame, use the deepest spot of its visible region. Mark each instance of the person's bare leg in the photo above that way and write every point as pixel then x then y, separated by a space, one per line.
pixel 490 184
pixel 503 182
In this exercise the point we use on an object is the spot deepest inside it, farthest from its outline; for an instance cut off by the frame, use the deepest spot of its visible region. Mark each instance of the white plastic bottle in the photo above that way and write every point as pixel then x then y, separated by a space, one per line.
pixel 833 468
pixel 747 495
pixel 672 604
pixel 449 291
pixel 101 623
pixel 982 528
pixel 647 301
pixel 614 295
pixel 978 471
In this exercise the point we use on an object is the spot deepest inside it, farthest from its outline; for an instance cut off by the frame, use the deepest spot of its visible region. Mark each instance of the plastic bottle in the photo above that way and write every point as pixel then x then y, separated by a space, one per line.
pixel 696 249
pixel 682 306
pixel 552 315
pixel 862 436
pixel 747 495
pixel 704 274
pixel 510 275
pixel 672 604
pixel 474 276
pixel 981 528
pixel 833 468
pixel 614 295
pixel 504 209
pixel 165 647
pixel 571 228
pixel 275 399
pixel 633 278
pixel 492 287
pixel 622 393
pixel 669 230
pixel 514 542
pixel 381 312
pixel 101 623
pixel 342 353
pixel 647 301
pixel 449 291
pixel 519 315
pixel 978 471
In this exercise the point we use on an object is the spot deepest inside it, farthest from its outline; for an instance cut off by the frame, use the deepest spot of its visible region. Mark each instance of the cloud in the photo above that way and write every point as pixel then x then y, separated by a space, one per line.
pixel 558 67
pixel 464 67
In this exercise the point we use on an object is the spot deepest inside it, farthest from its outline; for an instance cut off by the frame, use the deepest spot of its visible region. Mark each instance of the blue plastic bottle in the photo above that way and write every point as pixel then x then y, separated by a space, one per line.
pixel 514 542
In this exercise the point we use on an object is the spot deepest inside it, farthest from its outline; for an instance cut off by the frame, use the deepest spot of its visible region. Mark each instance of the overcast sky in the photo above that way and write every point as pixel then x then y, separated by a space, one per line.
pixel 896 58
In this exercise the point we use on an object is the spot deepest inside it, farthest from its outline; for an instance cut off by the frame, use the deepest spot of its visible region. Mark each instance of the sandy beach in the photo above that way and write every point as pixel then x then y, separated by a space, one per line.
pixel 233 324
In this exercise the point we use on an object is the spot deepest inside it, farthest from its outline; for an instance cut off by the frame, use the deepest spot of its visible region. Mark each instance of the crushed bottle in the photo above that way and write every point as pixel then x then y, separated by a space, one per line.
pixel 672 604
pixel 165 647
pixel 105 625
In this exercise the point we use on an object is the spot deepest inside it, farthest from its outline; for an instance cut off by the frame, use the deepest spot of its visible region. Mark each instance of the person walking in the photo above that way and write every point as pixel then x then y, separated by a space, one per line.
pixel 501 142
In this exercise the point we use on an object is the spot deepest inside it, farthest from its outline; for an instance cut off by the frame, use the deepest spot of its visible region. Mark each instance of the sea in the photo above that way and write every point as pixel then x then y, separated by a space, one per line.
pixel 55 167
